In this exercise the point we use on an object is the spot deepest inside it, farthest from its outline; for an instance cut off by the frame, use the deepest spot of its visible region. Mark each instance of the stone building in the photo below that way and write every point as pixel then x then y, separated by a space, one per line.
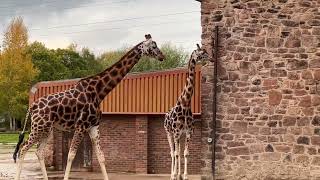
pixel 268 100
pixel 268 103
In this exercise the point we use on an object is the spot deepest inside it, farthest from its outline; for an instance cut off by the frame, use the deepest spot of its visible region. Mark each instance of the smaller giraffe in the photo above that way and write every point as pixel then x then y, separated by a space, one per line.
pixel 179 119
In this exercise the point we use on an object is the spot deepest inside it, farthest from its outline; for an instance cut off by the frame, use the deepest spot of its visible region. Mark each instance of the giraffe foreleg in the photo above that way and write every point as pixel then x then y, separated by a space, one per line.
pixel 170 140
pixel 40 155
pixel 176 158
pixel 25 147
pixel 95 138
pixel 179 161
pixel 186 155
pixel 76 140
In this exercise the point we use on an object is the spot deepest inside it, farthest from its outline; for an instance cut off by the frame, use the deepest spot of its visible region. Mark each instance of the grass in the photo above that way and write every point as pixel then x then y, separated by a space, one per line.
pixel 10 137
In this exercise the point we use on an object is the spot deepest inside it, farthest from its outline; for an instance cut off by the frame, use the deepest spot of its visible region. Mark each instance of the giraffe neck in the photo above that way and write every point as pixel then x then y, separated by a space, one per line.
pixel 186 95
pixel 101 84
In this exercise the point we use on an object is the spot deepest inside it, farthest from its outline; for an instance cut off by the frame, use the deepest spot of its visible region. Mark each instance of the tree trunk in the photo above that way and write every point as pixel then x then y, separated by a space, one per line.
pixel 14 124
pixel 11 125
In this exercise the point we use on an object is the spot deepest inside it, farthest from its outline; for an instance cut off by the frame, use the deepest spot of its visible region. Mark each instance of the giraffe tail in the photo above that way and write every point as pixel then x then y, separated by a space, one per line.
pixel 21 137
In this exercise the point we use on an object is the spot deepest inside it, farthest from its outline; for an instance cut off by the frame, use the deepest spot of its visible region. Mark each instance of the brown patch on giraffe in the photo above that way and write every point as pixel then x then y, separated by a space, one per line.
pixel 60 111
pixel 68 94
pixel 41 112
pixel 65 101
pixel 101 96
pixel 70 123
pixel 82 98
pixel 99 86
pixel 44 101
pixel 47 110
pixel 112 84
pixel 34 107
pixel 76 94
pixel 106 79
pixel 67 109
pixel 67 116
pixel 41 105
pixel 54 108
pixel 80 106
pixel 79 87
pixel 41 122
pixel 131 55
pixel 92 83
pixel 123 72
pixel 118 79
pixel 119 65
pixel 73 101
pixel 114 73
pixel 60 98
pixel 90 88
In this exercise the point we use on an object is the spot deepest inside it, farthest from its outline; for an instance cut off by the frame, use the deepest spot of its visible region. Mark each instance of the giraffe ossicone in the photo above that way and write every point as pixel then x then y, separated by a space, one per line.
pixel 179 119
pixel 77 109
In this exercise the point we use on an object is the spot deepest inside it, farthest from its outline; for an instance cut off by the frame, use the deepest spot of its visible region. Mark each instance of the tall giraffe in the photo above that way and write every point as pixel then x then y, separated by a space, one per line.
pixel 78 109
pixel 179 119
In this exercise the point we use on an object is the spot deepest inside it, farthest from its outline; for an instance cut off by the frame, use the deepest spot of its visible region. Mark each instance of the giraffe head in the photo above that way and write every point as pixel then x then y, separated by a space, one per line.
pixel 150 48
pixel 199 54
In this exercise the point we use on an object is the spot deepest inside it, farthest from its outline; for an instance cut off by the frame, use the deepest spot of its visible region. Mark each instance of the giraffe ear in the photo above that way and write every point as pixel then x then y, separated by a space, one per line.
pixel 147 36
pixel 198 47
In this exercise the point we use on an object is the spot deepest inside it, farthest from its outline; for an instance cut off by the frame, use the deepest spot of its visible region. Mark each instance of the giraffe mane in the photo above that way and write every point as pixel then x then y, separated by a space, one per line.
pixel 108 68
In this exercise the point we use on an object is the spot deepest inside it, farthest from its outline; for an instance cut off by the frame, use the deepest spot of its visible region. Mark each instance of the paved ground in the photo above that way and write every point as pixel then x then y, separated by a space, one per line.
pixel 31 170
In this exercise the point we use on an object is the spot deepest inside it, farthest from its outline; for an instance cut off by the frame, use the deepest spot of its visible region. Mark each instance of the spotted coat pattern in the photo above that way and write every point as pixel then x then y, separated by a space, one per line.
pixel 179 120
pixel 77 109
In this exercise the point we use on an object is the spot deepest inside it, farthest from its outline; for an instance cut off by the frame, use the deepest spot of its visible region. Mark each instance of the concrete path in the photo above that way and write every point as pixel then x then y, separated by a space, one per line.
pixel 31 170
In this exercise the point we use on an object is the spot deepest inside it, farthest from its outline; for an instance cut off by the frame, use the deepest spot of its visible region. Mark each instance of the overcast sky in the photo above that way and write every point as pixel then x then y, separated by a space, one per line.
pixel 103 25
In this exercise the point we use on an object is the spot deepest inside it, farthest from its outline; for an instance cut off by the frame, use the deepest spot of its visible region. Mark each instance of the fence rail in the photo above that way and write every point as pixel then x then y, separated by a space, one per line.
pixel 143 93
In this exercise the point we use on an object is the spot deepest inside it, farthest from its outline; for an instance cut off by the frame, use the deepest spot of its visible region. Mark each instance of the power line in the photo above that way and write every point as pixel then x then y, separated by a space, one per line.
pixel 25 4
pixel 95 4
pixel 31 4
pixel 116 28
pixel 116 20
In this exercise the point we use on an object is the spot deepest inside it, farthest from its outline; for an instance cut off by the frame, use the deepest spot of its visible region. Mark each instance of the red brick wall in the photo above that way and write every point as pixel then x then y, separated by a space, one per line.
pixel 117 136
pixel 136 144
pixel 159 159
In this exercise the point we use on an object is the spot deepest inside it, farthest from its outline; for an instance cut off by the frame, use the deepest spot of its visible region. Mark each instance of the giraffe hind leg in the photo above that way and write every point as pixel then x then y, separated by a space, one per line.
pixel 76 140
pixel 95 138
pixel 40 155
pixel 24 149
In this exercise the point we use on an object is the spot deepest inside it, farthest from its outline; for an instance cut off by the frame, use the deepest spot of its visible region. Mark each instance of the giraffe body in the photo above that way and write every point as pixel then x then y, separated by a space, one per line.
pixel 77 109
pixel 179 120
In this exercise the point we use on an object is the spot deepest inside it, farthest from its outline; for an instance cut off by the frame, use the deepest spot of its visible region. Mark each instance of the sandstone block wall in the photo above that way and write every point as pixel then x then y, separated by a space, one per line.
pixel 268 119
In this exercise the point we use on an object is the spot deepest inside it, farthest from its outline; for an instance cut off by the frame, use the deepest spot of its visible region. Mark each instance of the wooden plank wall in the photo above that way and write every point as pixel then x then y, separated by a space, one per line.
pixel 142 93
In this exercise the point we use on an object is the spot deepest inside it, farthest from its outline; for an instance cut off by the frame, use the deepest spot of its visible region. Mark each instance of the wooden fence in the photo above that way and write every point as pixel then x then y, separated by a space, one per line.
pixel 141 93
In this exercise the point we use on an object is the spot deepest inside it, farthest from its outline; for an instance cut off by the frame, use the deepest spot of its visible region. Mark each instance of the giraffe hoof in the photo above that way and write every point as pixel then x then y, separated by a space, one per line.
pixel 179 177
pixel 173 178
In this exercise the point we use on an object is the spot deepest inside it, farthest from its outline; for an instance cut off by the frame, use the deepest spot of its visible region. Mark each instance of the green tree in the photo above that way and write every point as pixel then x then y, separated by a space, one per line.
pixel 62 63
pixel 175 57
pixel 16 70
pixel 45 60
pixel 78 64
